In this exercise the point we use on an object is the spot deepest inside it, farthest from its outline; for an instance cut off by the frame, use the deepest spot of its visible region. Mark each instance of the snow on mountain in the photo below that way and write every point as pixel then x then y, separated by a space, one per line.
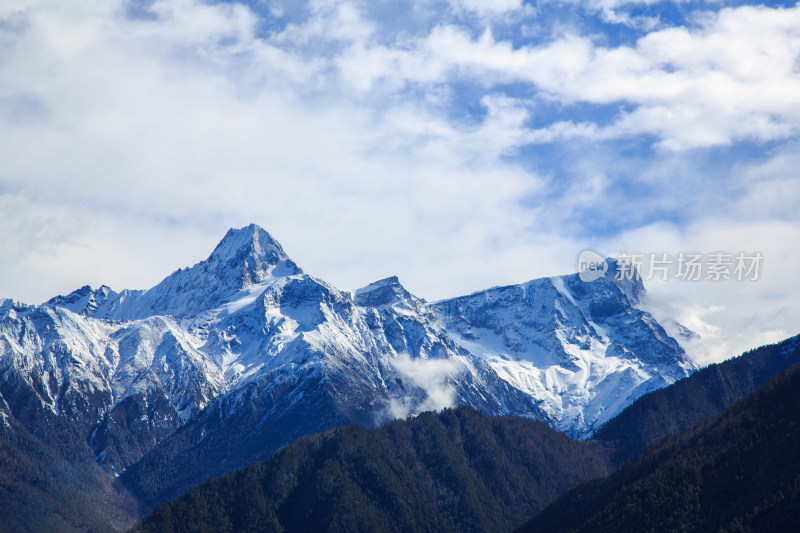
pixel 86 301
pixel 55 360
pixel 245 257
pixel 60 356
pixel 302 356
pixel 244 345
pixel 389 292
pixel 583 349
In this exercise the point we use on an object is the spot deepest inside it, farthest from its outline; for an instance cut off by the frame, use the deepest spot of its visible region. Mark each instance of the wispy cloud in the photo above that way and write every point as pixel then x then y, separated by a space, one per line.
pixel 432 377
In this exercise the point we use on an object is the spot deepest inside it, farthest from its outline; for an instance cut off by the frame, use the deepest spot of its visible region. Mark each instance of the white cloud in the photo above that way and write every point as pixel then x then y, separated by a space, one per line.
pixel 732 77
pixel 143 123
pixel 128 146
pixel 51 248
pixel 731 316
pixel 331 22
pixel 491 8
pixel 432 376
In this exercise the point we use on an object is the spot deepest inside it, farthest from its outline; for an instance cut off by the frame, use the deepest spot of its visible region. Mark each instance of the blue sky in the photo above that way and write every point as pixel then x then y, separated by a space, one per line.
pixel 459 144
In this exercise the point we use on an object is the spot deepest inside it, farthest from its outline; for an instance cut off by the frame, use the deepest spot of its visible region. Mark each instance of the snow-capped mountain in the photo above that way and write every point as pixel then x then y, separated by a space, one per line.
pixel 245 257
pixel 222 362
pixel 585 350
pixel 91 372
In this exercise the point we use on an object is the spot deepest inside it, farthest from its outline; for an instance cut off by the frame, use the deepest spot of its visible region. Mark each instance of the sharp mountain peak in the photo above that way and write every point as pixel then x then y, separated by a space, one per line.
pixel 252 239
pixel 252 254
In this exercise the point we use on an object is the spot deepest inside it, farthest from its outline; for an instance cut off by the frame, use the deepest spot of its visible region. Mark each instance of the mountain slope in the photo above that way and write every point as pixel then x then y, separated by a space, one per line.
pixel 50 481
pixel 693 400
pixel 454 471
pixel 124 386
pixel 327 362
pixel 655 415
pixel 585 350
pixel 739 472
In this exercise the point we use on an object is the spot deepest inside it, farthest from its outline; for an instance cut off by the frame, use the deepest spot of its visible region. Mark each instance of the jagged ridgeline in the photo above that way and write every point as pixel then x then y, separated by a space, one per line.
pixel 224 362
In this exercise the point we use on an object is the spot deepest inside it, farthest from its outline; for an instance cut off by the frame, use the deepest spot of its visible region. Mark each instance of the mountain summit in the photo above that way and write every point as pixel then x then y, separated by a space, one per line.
pixel 244 257
pixel 225 361
pixel 247 256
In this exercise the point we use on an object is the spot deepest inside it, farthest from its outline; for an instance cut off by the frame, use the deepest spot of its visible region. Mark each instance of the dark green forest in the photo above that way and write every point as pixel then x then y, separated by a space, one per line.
pixel 51 482
pixel 737 473
pixel 458 470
